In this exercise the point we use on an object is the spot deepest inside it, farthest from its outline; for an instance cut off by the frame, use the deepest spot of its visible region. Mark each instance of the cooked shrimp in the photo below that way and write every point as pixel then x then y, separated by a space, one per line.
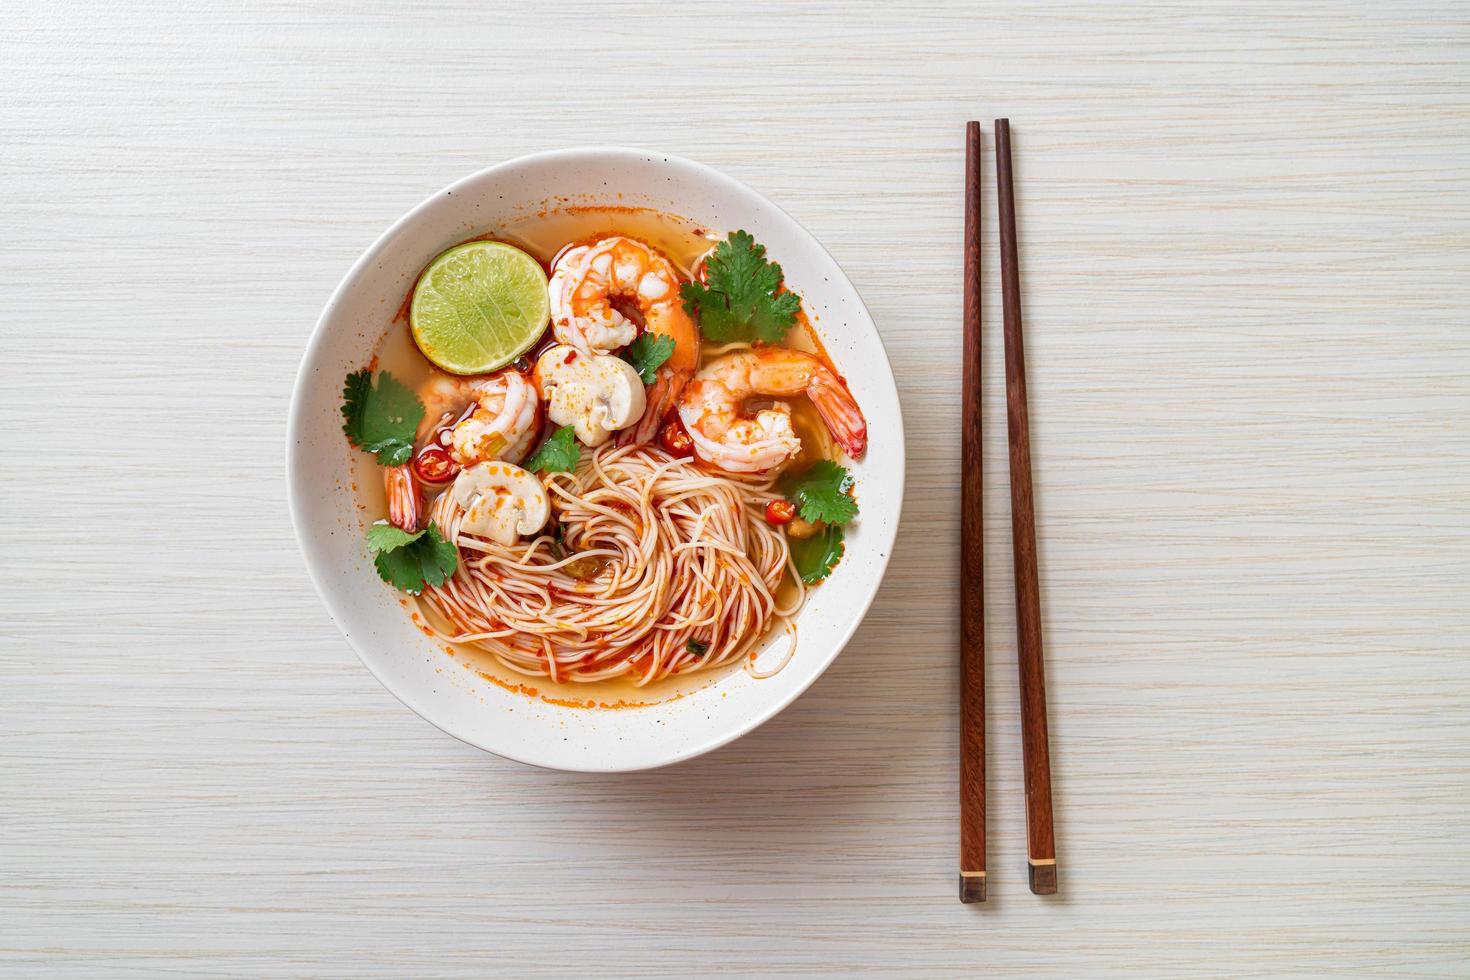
pixel 712 408
pixel 503 416
pixel 404 500
pixel 584 282
pixel 494 416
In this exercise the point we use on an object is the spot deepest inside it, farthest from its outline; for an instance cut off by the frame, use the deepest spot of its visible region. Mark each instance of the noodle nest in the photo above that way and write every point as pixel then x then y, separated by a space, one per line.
pixel 650 566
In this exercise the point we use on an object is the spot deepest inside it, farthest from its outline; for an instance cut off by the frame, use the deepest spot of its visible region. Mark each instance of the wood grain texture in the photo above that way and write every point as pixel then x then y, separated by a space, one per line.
pixel 972 538
pixel 1041 851
pixel 1247 271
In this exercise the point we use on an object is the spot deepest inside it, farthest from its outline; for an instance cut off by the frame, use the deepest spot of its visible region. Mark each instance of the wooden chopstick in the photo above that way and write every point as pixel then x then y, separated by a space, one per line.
pixel 972 564
pixel 1040 843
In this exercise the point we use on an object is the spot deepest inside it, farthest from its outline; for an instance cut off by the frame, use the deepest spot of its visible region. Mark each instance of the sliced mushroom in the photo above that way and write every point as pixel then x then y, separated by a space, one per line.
pixel 501 501
pixel 596 394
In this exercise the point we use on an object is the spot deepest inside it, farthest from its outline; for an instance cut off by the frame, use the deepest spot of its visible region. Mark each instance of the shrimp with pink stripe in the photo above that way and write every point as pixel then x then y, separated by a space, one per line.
pixel 585 283
pixel 712 408
pixel 466 421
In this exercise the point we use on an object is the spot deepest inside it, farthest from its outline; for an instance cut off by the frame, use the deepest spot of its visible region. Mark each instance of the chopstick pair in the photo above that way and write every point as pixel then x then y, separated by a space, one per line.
pixel 1040 840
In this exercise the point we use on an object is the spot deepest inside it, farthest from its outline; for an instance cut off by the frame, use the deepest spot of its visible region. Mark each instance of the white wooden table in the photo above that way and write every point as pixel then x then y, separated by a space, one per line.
pixel 1246 257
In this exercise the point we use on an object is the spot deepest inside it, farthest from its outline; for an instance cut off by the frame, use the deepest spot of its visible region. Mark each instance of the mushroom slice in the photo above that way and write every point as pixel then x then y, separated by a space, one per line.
pixel 501 501
pixel 596 394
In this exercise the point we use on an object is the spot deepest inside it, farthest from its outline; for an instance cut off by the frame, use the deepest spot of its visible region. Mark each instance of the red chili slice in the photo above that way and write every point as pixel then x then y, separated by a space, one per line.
pixel 434 466
pixel 780 512
pixel 675 440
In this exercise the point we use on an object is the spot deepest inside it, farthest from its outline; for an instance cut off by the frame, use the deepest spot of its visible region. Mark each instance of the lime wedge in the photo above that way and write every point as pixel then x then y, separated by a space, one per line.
pixel 479 306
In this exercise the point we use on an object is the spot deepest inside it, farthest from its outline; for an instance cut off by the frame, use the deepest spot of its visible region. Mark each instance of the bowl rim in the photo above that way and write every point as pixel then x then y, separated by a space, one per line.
pixel 295 488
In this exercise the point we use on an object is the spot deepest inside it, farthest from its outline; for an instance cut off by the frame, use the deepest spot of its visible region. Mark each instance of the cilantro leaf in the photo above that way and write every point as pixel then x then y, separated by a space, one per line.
pixel 697 647
pixel 739 298
pixel 647 353
pixel 407 560
pixel 558 454
pixel 820 493
pixel 383 419
pixel 390 537
pixel 816 556
pixel 438 557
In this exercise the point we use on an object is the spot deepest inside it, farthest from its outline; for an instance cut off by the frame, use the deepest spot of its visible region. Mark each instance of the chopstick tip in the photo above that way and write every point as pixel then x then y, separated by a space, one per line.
pixel 1043 878
pixel 972 887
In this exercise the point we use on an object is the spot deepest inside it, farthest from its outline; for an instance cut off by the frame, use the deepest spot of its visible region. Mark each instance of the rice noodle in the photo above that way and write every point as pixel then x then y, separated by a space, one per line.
pixel 685 555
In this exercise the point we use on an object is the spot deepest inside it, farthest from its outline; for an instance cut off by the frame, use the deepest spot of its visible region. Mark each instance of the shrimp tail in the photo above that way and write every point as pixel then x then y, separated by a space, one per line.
pixel 404 502
pixel 662 396
pixel 840 412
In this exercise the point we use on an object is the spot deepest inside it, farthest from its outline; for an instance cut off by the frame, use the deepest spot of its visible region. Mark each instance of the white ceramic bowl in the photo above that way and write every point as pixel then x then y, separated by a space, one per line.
pixel 329 524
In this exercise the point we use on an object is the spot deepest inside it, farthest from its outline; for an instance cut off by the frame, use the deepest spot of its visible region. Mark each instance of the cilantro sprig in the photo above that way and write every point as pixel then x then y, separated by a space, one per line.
pixel 697 647
pixel 648 353
pixel 816 556
pixel 820 493
pixel 739 299
pixel 381 419
pixel 558 454
pixel 407 560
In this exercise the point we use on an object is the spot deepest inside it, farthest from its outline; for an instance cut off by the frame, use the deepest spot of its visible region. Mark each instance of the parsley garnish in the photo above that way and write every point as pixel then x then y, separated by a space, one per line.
pixel 815 557
pixel 647 353
pixel 382 419
pixel 697 647
pixel 558 454
pixel 739 299
pixel 408 560
pixel 820 493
